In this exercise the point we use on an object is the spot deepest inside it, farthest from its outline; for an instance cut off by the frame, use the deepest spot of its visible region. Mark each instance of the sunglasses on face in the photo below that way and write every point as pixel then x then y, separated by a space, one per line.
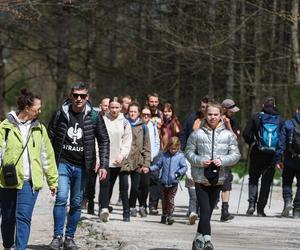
pixel 144 114
pixel 82 96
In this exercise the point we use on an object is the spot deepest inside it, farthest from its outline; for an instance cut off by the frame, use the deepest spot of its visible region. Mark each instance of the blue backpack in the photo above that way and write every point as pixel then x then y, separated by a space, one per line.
pixel 268 132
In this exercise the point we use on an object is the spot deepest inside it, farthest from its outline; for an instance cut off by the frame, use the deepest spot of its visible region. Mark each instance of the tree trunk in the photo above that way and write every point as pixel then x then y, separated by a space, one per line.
pixel 230 66
pixel 272 46
pixel 212 19
pixel 63 54
pixel 257 70
pixel 295 41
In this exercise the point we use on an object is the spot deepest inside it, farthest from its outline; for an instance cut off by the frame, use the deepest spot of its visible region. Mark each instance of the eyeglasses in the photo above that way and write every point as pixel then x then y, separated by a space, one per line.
pixel 144 114
pixel 82 96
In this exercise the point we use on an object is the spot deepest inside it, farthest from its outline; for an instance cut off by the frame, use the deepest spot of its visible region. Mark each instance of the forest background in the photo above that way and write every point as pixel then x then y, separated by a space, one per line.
pixel 181 49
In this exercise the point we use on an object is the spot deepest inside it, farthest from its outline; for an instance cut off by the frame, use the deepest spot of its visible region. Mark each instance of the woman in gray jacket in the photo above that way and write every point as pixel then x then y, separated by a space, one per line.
pixel 211 150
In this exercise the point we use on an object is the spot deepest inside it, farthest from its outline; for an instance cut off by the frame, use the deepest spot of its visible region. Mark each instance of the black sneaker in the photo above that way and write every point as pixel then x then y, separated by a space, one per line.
pixel 170 220
pixel 261 213
pixel 208 246
pixel 126 219
pixel 69 244
pixel 133 212
pixel 142 212
pixel 56 243
pixel 91 207
pixel 197 244
pixel 163 219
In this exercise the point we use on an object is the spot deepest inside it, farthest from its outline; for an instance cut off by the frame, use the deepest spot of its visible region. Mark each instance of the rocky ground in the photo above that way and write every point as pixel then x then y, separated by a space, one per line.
pixel 243 232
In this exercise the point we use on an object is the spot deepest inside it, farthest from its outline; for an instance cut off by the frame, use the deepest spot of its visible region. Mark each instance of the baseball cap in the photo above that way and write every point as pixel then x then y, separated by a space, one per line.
pixel 230 105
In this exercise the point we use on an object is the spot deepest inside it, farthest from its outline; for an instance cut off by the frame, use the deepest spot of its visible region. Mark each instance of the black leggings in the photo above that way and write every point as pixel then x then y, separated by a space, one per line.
pixel 207 197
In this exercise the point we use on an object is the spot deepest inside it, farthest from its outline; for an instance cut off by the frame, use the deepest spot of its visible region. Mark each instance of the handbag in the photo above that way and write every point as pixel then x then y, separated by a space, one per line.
pixel 9 170
pixel 212 171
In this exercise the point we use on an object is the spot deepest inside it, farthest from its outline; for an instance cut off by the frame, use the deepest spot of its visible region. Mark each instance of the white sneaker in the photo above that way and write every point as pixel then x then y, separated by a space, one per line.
pixel 104 215
pixel 192 218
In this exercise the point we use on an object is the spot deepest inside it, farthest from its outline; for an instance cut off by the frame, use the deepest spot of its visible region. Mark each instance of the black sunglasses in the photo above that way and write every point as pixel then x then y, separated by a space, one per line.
pixel 82 96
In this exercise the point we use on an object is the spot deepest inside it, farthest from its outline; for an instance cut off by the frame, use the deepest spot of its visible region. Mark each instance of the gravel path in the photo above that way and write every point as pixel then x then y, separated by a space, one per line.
pixel 243 232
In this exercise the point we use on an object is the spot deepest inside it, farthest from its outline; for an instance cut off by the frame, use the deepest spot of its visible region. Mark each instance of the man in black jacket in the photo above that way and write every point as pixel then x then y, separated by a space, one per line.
pixel 261 163
pixel 73 130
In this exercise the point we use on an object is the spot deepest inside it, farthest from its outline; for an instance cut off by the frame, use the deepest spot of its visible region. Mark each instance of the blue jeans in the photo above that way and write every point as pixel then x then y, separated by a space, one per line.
pixel 17 207
pixel 71 178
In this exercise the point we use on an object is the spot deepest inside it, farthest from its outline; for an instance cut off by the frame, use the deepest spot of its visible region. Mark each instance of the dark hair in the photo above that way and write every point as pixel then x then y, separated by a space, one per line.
pixel 135 104
pixel 26 98
pixel 269 102
pixel 207 99
pixel 79 85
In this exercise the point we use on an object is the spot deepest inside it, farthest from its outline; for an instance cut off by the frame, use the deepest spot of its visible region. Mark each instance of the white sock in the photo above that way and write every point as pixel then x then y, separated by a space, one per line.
pixel 207 238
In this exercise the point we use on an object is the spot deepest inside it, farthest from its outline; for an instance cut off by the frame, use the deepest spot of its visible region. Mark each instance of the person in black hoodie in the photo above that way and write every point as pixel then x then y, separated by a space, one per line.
pixel 261 163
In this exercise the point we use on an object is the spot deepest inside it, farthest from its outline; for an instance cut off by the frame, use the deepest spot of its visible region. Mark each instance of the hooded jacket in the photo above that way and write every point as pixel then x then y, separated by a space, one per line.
pixel 40 151
pixel 140 152
pixel 93 128
pixel 168 165
pixel 199 148
pixel 284 137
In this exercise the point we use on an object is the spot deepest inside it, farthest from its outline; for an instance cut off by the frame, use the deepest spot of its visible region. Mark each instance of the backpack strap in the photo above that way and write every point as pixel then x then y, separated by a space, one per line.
pixel 6 134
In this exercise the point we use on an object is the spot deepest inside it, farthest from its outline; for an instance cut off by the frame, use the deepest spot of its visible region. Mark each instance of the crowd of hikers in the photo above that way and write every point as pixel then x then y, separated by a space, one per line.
pixel 149 150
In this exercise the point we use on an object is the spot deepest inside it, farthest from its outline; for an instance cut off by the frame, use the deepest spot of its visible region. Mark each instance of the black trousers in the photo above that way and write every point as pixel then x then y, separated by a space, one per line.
pixel 90 189
pixel 288 175
pixel 154 189
pixel 144 189
pixel 207 198
pixel 261 166
pixel 106 187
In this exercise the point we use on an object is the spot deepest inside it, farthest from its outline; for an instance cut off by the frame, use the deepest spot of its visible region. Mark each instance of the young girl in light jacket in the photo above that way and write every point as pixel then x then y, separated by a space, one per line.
pixel 211 150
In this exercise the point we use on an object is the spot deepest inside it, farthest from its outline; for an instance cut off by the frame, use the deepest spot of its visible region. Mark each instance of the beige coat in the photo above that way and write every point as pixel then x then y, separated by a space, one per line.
pixel 120 136
pixel 140 153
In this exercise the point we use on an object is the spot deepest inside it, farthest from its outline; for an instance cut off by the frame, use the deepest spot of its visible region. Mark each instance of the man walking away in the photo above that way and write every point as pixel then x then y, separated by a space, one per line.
pixel 261 133
pixel 289 146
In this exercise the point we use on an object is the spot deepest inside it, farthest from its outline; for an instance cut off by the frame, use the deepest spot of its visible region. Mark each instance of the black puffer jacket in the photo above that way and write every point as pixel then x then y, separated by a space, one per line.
pixel 93 128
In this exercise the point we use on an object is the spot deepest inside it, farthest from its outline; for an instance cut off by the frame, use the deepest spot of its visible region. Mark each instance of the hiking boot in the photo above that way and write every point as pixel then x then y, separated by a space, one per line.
pixel 197 244
pixel 261 213
pixel 296 214
pixel 251 208
pixel 192 218
pixel 56 243
pixel 90 208
pixel 104 215
pixel 133 212
pixel 153 211
pixel 208 246
pixel 163 219
pixel 225 215
pixel 69 244
pixel 287 208
pixel 142 212
pixel 170 220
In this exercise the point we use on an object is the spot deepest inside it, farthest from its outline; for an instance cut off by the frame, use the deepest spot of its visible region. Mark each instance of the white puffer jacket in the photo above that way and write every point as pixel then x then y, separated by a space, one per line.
pixel 199 149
